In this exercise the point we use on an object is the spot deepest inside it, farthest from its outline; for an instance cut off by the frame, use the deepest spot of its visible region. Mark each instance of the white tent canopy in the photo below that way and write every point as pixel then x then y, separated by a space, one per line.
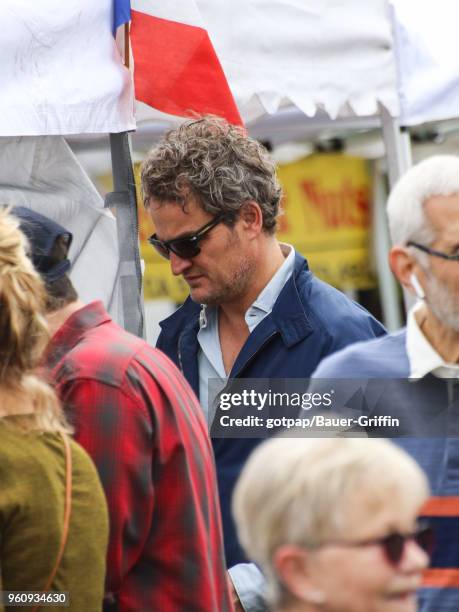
pixel 342 57
pixel 427 52
pixel 339 57
pixel 61 72
pixel 336 55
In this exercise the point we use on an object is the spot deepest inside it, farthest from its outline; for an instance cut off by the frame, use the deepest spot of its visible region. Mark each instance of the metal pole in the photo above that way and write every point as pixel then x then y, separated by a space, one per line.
pixel 397 144
pixel 399 159
pixel 388 288
pixel 125 202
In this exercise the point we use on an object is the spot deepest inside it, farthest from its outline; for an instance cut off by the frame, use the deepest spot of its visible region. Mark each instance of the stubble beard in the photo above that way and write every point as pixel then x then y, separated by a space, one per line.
pixel 443 304
pixel 236 283
pixel 232 288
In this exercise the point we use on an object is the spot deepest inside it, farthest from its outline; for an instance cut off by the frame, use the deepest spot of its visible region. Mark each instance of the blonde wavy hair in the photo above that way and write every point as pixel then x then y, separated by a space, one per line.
pixel 24 395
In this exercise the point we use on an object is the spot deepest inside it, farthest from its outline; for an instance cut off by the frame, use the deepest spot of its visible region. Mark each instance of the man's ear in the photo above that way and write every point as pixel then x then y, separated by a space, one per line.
pixel 293 566
pixel 404 266
pixel 251 217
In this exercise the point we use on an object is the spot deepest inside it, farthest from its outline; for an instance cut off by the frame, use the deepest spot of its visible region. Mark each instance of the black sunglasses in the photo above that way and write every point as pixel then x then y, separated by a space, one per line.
pixel 393 544
pixel 187 246
pixel 433 252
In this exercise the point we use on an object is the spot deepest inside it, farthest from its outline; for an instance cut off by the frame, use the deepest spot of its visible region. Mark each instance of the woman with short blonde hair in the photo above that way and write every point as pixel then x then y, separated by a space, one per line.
pixel 333 524
pixel 53 516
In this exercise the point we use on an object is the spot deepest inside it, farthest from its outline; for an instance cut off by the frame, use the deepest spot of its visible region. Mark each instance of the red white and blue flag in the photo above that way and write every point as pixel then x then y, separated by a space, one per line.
pixel 121 13
pixel 176 69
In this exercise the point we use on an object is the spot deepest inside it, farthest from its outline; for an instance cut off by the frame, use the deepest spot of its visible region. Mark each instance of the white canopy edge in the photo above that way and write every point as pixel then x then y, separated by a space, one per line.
pixel 335 57
pixel 61 72
pixel 427 52
pixel 340 58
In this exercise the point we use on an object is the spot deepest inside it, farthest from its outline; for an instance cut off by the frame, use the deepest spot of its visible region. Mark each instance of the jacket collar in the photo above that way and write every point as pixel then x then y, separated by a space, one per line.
pixel 184 318
pixel 288 316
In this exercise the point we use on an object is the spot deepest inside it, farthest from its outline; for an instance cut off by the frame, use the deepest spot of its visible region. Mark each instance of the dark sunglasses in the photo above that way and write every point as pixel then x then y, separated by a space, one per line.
pixel 393 544
pixel 433 252
pixel 187 246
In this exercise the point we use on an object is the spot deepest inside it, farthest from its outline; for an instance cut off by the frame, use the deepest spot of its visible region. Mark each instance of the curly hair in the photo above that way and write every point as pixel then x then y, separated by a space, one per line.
pixel 217 164
pixel 23 336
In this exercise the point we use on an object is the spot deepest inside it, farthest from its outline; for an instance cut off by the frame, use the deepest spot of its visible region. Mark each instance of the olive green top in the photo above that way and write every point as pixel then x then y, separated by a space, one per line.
pixel 32 501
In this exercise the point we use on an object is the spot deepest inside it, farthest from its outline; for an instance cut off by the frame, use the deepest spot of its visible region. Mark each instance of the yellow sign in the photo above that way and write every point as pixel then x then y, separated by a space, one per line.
pixel 327 217
pixel 158 280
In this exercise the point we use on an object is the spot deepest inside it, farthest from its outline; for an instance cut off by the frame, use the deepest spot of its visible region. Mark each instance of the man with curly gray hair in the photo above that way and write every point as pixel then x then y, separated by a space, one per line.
pixel 254 310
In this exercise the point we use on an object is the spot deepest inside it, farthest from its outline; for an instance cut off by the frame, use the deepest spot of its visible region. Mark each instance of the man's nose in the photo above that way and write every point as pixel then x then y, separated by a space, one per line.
pixel 178 264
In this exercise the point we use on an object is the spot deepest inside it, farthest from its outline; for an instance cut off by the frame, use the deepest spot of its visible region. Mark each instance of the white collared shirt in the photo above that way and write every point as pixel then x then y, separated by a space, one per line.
pixel 422 356
pixel 210 359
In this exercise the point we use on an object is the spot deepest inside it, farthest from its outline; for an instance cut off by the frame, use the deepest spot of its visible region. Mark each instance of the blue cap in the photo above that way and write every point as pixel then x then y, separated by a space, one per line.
pixel 42 234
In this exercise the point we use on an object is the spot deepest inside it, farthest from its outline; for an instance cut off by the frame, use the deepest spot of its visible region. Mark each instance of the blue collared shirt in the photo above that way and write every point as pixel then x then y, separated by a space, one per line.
pixel 210 359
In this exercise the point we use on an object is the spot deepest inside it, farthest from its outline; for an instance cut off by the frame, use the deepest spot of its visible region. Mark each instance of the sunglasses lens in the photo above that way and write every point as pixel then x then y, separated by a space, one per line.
pixel 185 248
pixel 393 547
pixel 160 247
pixel 394 544
pixel 425 539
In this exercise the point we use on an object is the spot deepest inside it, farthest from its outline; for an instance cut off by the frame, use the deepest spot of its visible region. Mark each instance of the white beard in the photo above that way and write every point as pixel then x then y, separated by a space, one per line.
pixel 442 302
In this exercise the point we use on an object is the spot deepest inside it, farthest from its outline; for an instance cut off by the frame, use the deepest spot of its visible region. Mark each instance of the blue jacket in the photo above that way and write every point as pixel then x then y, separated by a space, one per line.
pixel 387 358
pixel 309 321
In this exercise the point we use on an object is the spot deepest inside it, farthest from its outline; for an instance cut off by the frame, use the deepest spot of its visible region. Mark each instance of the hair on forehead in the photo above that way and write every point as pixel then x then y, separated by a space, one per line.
pixel 218 164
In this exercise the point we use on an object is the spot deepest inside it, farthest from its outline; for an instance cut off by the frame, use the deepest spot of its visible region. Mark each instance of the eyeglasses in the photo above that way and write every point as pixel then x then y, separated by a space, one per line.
pixel 433 252
pixel 184 247
pixel 394 543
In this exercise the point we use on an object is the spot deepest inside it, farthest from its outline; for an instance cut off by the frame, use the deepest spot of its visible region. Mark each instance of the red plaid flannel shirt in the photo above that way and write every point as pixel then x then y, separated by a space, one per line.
pixel 139 420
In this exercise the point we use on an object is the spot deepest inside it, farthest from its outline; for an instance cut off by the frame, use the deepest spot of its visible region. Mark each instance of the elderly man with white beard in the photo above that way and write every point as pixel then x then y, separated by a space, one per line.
pixel 423 359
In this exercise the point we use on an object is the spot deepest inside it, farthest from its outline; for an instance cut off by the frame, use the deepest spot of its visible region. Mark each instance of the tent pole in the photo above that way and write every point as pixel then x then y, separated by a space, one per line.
pixel 397 144
pixel 388 289
pixel 124 200
pixel 399 159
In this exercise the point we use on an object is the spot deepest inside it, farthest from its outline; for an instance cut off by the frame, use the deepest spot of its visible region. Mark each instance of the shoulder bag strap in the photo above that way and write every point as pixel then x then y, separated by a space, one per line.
pixel 67 512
